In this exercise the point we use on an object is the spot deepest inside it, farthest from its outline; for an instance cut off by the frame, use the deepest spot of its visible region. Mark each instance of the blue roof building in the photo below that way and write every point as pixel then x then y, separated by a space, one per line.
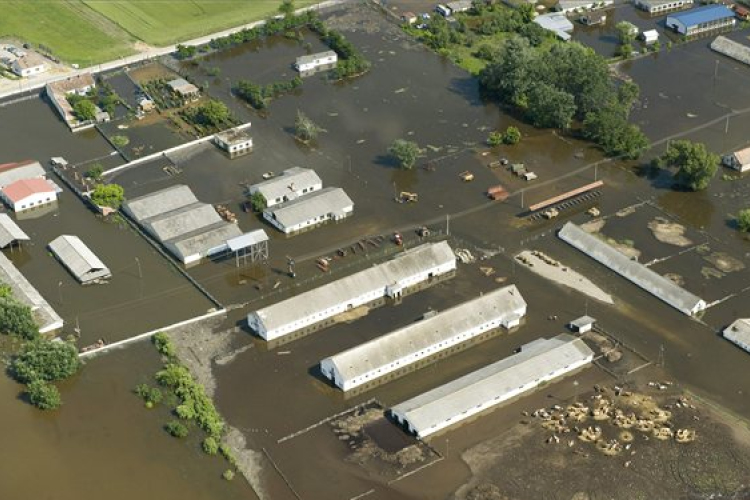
pixel 702 19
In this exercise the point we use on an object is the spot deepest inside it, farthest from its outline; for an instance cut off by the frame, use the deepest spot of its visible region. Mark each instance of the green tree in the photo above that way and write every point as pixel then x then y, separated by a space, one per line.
pixel 17 319
pixel 305 129
pixel 526 12
pixel 95 172
pixel 176 429
pixel 405 152
pixel 44 360
pixel 287 8
pixel 609 128
pixel 511 136
pixel 258 201
pixel 743 220
pixel 6 292
pixel 626 32
pixel 696 166
pixel 164 345
pixel 108 195
pixel 185 51
pixel 210 446
pixel 213 113
pixel 43 395
pixel 495 139
pixel 84 110
pixel 550 107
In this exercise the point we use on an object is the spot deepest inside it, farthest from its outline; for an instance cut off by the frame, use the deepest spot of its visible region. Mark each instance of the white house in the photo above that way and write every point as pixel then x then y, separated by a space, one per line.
pixel 364 366
pixel 537 362
pixel 235 141
pixel 291 184
pixel 650 36
pixel 29 193
pixel 658 6
pixel 314 61
pixel 568 6
pixel 310 210
pixel 309 311
pixel 739 160
pixel 29 65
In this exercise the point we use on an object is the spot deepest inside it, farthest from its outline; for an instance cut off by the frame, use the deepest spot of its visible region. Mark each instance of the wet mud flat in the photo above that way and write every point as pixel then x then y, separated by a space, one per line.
pixel 625 461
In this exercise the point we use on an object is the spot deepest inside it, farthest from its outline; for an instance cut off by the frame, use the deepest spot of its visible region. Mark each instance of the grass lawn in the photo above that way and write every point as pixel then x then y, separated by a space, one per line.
pixel 169 21
pixel 73 32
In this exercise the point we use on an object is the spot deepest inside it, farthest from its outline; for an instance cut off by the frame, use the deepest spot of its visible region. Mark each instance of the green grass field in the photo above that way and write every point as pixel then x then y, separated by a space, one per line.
pixel 87 32
pixel 71 30
pixel 165 22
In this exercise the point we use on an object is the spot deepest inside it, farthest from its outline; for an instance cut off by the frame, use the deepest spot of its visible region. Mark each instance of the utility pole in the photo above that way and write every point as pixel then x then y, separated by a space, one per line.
pixel 448 224
pixel 59 291
pixel 138 263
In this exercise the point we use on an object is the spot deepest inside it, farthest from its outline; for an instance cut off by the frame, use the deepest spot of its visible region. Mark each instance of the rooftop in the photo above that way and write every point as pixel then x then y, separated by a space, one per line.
pixel 22 189
pixel 12 172
pixel 330 200
pixel 182 220
pixel 535 361
pixel 234 135
pixel 557 23
pixel 29 60
pixel 10 232
pixel 313 57
pixel 246 240
pixel 72 84
pixel 203 239
pixel 383 351
pixel 583 321
pixel 290 180
pixel 46 317
pixel 743 156
pixel 78 258
pixel 159 202
pixel 705 14
pixel 182 86
pixel 739 331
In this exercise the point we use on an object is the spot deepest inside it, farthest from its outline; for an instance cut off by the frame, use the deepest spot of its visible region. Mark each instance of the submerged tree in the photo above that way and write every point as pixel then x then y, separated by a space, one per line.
pixel 305 129
pixel 108 195
pixel 43 395
pixel 743 220
pixel 258 201
pixel 696 166
pixel 84 110
pixel 405 152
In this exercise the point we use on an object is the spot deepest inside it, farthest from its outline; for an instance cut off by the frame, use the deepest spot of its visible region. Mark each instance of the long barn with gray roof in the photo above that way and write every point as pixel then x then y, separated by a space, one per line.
pixel 542 360
pixel 79 259
pixel 364 366
pixel 316 308
pixel 654 283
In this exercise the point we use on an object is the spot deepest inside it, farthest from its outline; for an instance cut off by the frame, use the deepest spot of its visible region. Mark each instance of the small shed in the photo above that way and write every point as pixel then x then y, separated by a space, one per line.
pixel 650 36
pixel 497 193
pixel 518 168
pixel 10 232
pixel 184 88
pixel 79 259
pixel 409 17
pixel 583 324
pixel 529 176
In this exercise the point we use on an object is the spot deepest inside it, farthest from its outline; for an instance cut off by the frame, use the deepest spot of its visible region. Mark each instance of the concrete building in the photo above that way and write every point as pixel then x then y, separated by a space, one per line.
pixel 656 284
pixel 46 318
pixel 660 6
pixel 650 36
pixel 540 361
pixel 184 88
pixel 30 64
pixel 189 229
pixel 12 172
pixel 583 324
pixel 79 260
pixel 459 6
pixel 291 184
pixel 26 194
pixel 312 62
pixel 557 23
pixel 315 309
pixel 702 20
pixel 739 333
pixel 58 92
pixel 10 232
pixel 408 348
pixel 568 6
pixel 236 142
pixel 739 160
pixel 310 210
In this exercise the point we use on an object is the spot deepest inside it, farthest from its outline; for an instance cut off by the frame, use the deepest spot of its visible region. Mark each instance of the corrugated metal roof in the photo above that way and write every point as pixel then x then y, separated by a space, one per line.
pixel 654 283
pixel 78 258
pixel 169 225
pixel 322 202
pixel 247 239
pixel 289 181
pixel 536 360
pixel 16 172
pixel 200 241
pixel 312 302
pixel 159 202
pixel 705 14
pixel 557 23
pixel 46 317
pixel 10 232
pixel 738 332
pixel 383 351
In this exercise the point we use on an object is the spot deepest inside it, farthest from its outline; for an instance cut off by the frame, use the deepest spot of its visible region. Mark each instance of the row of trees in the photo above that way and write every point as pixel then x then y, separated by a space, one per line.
pixel 569 82
pixel 351 61
pixel 259 96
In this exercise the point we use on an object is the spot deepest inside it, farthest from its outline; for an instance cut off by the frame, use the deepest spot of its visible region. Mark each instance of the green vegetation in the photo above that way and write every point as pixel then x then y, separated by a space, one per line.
pixel 695 165
pixel 120 140
pixel 176 429
pixel 44 360
pixel 260 96
pixel 108 195
pixel 511 136
pixel 150 395
pixel 210 446
pixel 552 88
pixel 405 152
pixel 95 172
pixel 43 395
pixel 84 110
pixel 743 220
pixel 228 474
pixel 351 61
pixel 258 202
pixel 16 319
pixel 164 345
pixel 305 129
pixel 212 116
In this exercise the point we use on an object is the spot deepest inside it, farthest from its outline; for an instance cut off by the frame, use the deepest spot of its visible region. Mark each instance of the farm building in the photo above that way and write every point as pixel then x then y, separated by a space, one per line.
pixel 656 284
pixel 412 346
pixel 650 36
pixel 309 311
pixel 46 318
pixel 58 92
pixel 659 6
pixel 79 259
pixel 12 172
pixel 183 88
pixel 739 160
pixel 288 186
pixel 540 361
pixel 10 232
pixel 567 6
pixel 26 194
pixel 314 61
pixel 594 18
pixel 30 64
pixel 189 229
pixel 236 142
pixel 557 23
pixel 739 333
pixel 583 324
pixel 459 6
pixel 701 20
pixel 409 18
pixel 310 210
